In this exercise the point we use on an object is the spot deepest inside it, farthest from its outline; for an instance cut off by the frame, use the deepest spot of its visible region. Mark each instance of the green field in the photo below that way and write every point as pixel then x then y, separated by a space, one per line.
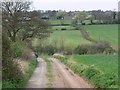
pixel 104 32
pixel 105 63
pixel 65 21
pixel 70 38
pixel 98 32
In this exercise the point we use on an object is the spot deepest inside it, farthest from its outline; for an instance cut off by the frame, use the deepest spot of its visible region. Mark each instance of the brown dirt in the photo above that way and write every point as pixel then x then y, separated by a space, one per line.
pixel 65 78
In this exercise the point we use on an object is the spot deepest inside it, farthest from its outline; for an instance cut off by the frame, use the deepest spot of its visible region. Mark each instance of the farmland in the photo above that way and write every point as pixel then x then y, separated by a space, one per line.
pixel 104 32
pixel 58 48
pixel 71 38
pixel 98 32
pixel 106 63
pixel 59 21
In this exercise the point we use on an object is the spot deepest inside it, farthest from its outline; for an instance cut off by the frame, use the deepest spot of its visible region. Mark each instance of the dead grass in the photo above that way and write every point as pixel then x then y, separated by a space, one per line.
pixel 23 65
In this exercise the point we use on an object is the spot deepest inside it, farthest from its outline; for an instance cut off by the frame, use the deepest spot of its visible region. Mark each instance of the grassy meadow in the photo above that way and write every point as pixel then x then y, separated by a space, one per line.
pixel 105 63
pixel 98 32
pixel 70 38
pixel 104 32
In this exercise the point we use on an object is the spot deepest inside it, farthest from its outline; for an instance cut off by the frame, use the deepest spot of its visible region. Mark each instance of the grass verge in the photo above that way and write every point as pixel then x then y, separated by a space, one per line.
pixel 49 72
pixel 97 77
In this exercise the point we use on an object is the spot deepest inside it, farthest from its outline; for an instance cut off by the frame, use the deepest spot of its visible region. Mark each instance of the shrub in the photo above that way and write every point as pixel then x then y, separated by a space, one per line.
pixel 68 52
pixel 83 23
pixel 76 28
pixel 16 49
pixel 48 49
pixel 90 72
pixel 10 70
pixel 27 54
pixel 63 29
pixel 97 47
pixel 101 47
pixel 20 83
pixel 76 69
pixel 105 80
pixel 81 49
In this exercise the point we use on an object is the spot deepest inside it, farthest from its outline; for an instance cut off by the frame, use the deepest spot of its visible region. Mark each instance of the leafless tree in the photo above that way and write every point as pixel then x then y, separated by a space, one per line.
pixel 21 23
pixel 11 16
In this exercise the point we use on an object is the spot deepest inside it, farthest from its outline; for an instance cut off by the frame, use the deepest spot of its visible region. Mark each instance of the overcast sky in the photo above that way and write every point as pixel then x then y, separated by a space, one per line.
pixel 71 5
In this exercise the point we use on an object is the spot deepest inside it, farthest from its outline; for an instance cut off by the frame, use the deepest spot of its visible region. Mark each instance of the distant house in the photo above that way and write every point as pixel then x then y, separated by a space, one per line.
pixel 45 16
pixel 71 13
pixel 68 17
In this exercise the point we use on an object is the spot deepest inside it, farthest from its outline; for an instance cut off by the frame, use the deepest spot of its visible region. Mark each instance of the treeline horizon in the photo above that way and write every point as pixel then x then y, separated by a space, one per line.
pixel 114 10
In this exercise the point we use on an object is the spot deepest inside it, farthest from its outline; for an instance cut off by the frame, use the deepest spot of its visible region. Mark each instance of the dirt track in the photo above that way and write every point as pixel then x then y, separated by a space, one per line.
pixel 65 78
pixel 38 79
pixel 62 76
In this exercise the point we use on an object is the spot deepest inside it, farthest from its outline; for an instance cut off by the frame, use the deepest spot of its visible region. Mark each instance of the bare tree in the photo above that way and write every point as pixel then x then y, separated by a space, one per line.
pixel 11 16
pixel 34 29
pixel 21 23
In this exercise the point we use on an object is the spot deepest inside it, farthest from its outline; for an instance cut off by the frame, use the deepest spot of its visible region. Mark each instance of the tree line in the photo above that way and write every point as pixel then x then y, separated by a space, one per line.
pixel 105 17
